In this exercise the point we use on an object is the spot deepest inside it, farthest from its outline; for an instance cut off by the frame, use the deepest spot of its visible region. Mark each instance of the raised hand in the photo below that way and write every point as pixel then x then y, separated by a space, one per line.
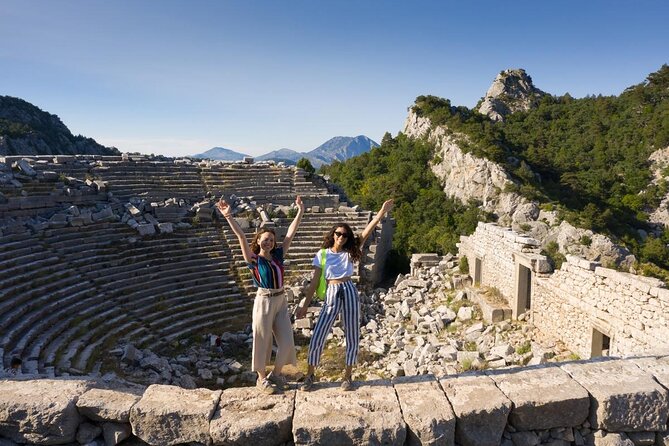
pixel 387 206
pixel 299 203
pixel 224 207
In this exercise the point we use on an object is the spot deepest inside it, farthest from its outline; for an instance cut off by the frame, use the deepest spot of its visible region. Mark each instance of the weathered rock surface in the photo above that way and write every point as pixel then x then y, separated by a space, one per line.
pixel 40 412
pixel 543 397
pixel 428 414
pixel 511 91
pixel 107 405
pixel 368 416
pixel 247 416
pixel 169 415
pixel 480 407
pixel 623 397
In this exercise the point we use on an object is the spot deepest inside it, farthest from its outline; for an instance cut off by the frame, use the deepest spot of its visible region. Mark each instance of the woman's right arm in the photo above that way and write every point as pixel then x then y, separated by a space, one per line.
pixel 225 209
pixel 309 293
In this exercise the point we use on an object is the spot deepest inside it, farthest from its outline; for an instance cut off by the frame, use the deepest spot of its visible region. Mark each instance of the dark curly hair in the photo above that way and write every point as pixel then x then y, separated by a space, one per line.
pixel 352 245
pixel 255 246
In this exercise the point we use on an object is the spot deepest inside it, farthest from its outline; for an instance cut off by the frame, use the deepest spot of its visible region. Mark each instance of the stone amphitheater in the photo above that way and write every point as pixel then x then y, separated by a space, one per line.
pixel 98 250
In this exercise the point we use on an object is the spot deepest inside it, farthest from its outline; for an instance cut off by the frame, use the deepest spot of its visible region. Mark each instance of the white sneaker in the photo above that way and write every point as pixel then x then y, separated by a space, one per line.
pixel 266 386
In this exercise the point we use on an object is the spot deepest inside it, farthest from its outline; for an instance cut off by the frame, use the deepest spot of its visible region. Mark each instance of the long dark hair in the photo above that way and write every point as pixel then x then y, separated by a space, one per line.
pixel 352 245
pixel 255 246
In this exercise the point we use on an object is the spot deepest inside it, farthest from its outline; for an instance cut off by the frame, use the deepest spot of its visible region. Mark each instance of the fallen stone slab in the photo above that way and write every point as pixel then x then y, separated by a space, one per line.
pixel 40 411
pixel 492 309
pixel 428 414
pixel 108 405
pixel 369 415
pixel 543 397
pixel 656 366
pixel 624 398
pixel 247 416
pixel 169 415
pixel 480 407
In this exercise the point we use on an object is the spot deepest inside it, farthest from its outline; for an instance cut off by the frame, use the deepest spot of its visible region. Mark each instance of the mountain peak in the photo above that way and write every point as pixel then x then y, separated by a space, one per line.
pixel 511 91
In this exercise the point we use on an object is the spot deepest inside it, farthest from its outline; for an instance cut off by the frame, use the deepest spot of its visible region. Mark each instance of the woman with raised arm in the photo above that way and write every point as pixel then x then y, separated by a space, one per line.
pixel 270 308
pixel 343 248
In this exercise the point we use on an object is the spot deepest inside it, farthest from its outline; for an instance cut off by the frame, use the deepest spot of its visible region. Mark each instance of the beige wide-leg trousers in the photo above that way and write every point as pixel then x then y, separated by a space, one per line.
pixel 270 317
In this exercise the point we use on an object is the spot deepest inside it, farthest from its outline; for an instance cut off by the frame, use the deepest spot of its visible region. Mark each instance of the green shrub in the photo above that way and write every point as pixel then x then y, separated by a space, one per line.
pixel 523 348
pixel 585 240
pixel 464 265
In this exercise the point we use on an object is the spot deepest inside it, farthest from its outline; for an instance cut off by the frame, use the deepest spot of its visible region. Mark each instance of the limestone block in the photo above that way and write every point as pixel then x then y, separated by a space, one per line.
pixel 40 411
pixel 169 415
pixel 146 229
pixel 369 415
pixel 465 313
pixel 658 367
pixel 480 407
pixel 114 433
pixel 87 432
pixel 25 167
pixel 104 214
pixel 108 405
pixel 642 438
pixel 247 416
pixel 427 412
pixel 543 398
pixel 165 228
pixel 624 398
pixel 610 439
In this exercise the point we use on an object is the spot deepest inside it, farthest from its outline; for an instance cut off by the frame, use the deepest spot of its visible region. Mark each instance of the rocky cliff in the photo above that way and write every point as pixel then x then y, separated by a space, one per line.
pixel 659 161
pixel 27 130
pixel 470 178
pixel 463 175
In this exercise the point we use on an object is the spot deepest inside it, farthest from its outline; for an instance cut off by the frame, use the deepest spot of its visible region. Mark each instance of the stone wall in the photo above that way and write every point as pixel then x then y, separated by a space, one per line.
pixel 604 402
pixel 593 310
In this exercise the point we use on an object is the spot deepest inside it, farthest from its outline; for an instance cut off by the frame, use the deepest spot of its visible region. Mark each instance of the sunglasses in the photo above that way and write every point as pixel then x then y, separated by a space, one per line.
pixel 341 234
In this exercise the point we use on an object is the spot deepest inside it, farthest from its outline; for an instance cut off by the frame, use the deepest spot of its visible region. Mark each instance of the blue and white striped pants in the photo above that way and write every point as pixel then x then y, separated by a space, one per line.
pixel 339 296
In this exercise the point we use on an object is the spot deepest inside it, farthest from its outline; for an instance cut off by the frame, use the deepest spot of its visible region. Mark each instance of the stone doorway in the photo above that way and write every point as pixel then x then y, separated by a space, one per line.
pixel 601 343
pixel 523 290
pixel 478 266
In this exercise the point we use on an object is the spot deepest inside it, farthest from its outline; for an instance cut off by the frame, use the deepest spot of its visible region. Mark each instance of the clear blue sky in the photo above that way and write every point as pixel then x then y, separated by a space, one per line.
pixel 180 77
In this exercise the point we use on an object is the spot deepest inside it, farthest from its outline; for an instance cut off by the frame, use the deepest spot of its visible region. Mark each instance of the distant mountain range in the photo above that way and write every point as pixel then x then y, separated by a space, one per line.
pixel 339 148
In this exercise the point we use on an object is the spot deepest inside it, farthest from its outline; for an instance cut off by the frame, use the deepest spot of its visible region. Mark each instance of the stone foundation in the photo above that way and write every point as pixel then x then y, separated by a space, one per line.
pixel 583 402
pixel 595 311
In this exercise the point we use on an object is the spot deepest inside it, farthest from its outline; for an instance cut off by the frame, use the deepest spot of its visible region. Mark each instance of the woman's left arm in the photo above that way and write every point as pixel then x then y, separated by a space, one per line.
pixel 385 208
pixel 292 229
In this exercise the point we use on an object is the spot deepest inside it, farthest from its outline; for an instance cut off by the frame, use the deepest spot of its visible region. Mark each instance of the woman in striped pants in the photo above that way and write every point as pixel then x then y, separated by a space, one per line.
pixel 343 248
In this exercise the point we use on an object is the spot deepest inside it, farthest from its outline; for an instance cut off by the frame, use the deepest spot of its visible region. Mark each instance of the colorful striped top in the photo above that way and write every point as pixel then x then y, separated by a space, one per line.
pixel 268 274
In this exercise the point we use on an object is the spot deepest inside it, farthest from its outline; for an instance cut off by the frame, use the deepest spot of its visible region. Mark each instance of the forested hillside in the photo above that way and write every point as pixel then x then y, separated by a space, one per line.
pixel 27 130
pixel 587 158
pixel 427 221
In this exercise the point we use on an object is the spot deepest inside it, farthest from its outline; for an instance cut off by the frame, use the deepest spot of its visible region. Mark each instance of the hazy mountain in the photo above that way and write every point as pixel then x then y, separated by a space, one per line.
pixel 222 154
pixel 339 148
pixel 288 156
pixel 27 130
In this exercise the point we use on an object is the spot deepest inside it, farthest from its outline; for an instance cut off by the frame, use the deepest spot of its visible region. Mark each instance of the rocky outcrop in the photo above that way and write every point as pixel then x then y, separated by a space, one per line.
pixel 463 175
pixel 511 91
pixel 27 130
pixel 659 161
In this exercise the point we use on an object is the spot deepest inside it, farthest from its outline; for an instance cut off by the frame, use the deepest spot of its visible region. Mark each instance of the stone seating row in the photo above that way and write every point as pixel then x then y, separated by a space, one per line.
pixel 53 326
